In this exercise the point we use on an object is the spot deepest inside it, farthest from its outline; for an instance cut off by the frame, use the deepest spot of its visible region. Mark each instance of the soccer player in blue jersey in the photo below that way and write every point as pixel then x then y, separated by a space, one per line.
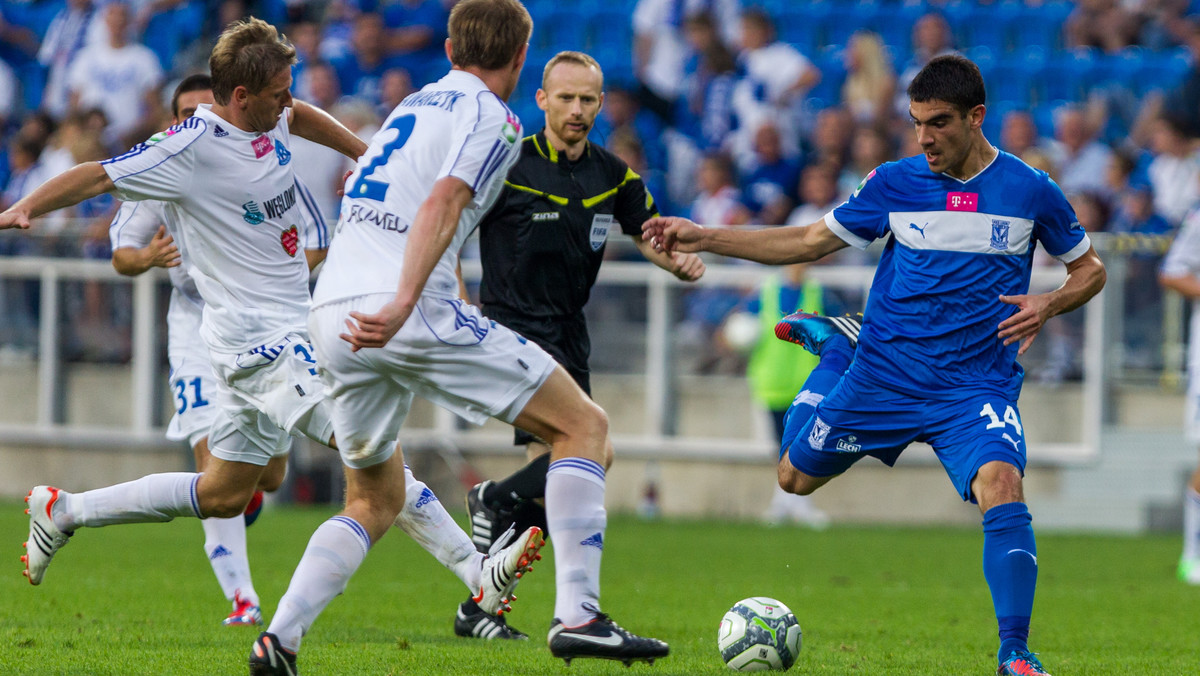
pixel 948 314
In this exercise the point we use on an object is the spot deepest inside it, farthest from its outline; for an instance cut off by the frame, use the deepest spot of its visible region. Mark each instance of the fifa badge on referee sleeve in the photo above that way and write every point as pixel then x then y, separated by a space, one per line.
pixel 601 223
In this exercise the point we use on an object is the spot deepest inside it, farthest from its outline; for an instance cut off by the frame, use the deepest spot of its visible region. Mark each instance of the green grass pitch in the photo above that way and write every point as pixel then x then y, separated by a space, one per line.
pixel 142 600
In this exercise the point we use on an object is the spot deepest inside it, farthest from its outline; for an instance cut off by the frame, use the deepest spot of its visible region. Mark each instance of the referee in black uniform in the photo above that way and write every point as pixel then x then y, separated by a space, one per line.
pixel 541 247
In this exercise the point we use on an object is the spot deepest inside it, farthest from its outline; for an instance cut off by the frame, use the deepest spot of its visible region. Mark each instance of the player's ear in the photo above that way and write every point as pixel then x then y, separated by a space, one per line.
pixel 975 116
pixel 542 98
pixel 600 106
pixel 449 52
pixel 239 95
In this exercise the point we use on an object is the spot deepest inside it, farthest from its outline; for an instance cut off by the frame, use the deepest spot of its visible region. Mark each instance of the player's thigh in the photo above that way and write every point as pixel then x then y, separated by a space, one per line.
pixel 365 404
pixel 560 407
pixel 853 421
pixel 980 428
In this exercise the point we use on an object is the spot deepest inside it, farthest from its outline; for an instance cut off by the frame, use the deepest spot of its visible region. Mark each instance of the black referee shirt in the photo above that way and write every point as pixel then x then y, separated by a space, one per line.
pixel 542 243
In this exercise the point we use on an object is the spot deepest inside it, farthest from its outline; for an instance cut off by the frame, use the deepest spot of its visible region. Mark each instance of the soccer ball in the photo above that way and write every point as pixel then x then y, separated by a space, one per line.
pixel 759 634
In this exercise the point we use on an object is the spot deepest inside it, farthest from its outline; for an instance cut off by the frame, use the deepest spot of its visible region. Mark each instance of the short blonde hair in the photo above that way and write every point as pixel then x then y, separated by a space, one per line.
pixel 488 34
pixel 248 54
pixel 578 58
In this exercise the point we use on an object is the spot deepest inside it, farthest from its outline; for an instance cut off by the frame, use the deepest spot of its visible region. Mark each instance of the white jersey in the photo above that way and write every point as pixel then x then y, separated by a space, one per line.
pixel 238 213
pixel 136 223
pixel 453 127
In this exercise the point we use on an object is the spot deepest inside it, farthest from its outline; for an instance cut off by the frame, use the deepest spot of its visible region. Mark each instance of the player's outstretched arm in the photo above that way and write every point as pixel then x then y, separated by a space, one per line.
pixel 773 246
pixel 161 252
pixel 1085 278
pixel 686 266
pixel 430 236
pixel 70 187
pixel 318 126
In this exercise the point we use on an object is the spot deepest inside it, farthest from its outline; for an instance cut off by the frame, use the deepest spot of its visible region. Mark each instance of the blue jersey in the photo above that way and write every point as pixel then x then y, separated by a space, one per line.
pixel 956 246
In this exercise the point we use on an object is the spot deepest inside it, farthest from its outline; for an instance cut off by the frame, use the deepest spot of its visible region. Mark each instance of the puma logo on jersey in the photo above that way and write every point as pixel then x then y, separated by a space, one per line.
pixel 920 229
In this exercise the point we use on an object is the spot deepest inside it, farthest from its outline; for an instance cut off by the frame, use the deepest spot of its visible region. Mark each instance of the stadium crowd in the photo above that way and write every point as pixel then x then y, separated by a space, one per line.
pixel 735 113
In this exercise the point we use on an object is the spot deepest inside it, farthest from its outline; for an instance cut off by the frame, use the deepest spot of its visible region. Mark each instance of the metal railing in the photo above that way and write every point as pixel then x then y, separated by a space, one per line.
pixel 657 438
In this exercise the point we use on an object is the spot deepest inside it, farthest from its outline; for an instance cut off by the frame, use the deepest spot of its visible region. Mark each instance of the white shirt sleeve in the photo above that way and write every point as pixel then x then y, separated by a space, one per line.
pixel 134 225
pixel 161 167
pixel 314 231
pixel 482 147
pixel 1184 256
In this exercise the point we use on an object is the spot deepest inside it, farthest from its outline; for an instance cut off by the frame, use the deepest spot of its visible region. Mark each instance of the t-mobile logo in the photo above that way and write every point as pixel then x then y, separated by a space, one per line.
pixel 962 201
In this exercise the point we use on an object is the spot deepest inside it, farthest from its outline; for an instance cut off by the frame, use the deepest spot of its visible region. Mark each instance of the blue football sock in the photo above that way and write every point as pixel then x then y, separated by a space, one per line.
pixel 1010 567
pixel 836 356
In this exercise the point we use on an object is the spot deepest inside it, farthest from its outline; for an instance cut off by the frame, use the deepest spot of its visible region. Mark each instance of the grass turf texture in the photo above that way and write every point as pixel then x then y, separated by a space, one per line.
pixel 142 600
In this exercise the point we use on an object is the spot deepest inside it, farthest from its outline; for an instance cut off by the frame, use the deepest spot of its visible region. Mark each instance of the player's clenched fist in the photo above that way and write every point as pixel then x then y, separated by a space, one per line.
pixel 14 219
pixel 673 233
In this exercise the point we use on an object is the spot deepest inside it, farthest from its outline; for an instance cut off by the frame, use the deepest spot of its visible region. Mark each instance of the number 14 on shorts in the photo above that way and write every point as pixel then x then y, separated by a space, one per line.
pixel 994 420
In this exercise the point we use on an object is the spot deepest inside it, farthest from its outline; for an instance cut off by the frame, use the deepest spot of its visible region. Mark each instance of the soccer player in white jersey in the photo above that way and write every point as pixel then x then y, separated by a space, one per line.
pixel 948 314
pixel 142 236
pixel 1181 272
pixel 225 174
pixel 389 324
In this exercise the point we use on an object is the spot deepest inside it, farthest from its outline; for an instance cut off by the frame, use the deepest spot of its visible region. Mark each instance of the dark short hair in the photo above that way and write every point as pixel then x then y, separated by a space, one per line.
pixel 952 78
pixel 198 82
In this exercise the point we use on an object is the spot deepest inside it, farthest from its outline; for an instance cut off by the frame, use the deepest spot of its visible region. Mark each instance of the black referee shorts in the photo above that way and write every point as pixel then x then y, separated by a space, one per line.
pixel 565 338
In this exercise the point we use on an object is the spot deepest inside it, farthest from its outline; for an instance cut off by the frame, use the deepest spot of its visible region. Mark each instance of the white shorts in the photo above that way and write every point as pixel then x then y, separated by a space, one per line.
pixel 264 396
pixel 447 352
pixel 193 385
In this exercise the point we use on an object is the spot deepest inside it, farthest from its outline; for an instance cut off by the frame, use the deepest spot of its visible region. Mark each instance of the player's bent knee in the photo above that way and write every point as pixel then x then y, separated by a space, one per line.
pixel 796 482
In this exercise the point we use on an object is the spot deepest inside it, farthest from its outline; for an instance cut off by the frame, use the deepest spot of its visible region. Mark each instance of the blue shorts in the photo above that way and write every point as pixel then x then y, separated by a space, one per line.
pixel 859 418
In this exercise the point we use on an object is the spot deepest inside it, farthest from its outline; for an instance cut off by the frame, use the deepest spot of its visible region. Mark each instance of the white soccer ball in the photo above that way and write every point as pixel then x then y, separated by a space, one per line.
pixel 759 634
pixel 741 331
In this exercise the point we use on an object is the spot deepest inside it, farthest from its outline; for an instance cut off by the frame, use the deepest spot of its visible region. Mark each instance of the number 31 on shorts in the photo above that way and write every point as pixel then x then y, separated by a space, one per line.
pixel 994 421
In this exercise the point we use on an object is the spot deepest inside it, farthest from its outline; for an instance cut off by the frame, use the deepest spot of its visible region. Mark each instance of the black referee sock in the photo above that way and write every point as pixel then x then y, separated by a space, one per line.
pixel 527 483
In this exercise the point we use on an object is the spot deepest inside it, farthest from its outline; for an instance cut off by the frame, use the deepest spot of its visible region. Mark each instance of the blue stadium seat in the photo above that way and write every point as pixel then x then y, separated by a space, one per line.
pixel 1043 117
pixel 846 20
pixel 804 25
pixel 609 30
pixel 1010 80
pixel 1068 75
pixel 1041 25
pixel 1162 71
pixel 985 26
pixel 833 74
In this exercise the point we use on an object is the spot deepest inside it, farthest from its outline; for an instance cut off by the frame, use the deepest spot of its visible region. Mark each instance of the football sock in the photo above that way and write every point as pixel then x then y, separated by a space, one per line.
pixel 575 512
pixel 836 356
pixel 1010 567
pixel 1191 525
pixel 426 520
pixel 527 483
pixel 156 497
pixel 334 552
pixel 225 546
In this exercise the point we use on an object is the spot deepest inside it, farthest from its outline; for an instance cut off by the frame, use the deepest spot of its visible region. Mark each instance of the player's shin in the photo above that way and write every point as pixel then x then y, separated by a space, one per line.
pixel 426 520
pixel 225 547
pixel 1010 567
pixel 334 552
pixel 575 512
pixel 157 497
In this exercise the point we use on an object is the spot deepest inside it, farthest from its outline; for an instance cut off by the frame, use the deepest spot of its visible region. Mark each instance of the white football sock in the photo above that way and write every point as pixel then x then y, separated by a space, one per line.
pixel 426 520
pixel 225 546
pixel 157 497
pixel 576 519
pixel 334 552
pixel 1191 525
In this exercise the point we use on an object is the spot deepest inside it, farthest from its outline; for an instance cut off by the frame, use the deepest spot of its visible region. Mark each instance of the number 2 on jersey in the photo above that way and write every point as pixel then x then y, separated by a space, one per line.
pixel 377 190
